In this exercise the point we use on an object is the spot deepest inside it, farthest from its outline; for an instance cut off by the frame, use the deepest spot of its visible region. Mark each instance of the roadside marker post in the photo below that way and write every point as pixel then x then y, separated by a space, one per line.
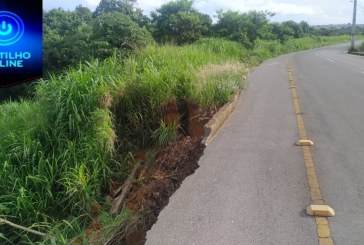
pixel 320 210
pixel 304 143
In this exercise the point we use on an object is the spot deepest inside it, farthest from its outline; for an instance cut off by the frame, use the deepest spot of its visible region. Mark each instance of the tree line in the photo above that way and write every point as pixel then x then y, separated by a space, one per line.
pixel 81 35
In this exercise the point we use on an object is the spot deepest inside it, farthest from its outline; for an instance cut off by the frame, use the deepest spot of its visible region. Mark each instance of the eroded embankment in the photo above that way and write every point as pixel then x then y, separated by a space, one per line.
pixel 156 184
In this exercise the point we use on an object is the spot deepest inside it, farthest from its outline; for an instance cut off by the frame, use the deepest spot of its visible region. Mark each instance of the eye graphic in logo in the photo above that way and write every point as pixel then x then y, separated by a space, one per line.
pixel 11 28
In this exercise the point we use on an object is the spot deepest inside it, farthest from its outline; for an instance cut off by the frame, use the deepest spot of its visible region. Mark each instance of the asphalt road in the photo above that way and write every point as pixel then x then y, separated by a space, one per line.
pixel 251 187
pixel 331 88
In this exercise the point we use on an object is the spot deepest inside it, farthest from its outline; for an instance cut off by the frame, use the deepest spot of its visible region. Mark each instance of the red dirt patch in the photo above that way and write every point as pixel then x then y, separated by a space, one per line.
pixel 195 122
pixel 155 185
pixel 197 119
pixel 171 114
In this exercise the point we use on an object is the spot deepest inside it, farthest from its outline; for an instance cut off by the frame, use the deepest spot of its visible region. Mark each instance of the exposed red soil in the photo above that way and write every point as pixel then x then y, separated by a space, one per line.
pixel 150 194
pixel 171 114
pixel 197 119
pixel 154 185
pixel 195 122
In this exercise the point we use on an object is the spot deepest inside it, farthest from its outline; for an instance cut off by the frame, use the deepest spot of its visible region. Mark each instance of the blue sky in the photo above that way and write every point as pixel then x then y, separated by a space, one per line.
pixel 313 11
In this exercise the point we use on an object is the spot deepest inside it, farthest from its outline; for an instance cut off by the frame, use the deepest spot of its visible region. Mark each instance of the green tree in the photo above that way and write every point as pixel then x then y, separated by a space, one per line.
pixel 63 51
pixel 245 28
pixel 127 7
pixel 108 6
pixel 119 32
pixel 306 29
pixel 66 38
pixel 282 32
pixel 290 29
pixel 71 37
pixel 296 28
pixel 66 22
pixel 232 25
pixel 178 22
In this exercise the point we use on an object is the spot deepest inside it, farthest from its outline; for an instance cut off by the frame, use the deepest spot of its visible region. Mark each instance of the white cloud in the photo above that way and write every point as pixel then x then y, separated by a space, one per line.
pixel 288 9
pixel 277 6
pixel 246 5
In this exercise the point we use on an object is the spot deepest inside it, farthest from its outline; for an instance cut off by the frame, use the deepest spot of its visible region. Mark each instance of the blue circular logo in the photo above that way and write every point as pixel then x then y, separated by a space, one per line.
pixel 11 28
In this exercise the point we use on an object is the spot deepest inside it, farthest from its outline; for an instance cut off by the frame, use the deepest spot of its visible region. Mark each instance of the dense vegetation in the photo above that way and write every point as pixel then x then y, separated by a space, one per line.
pixel 71 36
pixel 61 149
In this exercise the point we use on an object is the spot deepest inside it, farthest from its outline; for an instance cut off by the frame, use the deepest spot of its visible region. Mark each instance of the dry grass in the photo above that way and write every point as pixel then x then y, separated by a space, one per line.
pixel 212 70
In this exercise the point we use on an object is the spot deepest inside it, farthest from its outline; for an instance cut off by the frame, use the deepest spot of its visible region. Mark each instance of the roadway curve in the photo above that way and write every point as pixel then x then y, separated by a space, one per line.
pixel 251 187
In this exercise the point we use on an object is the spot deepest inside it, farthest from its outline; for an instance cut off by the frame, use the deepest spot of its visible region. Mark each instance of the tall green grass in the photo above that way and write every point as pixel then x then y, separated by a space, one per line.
pixel 157 76
pixel 60 151
pixel 56 149
pixel 171 72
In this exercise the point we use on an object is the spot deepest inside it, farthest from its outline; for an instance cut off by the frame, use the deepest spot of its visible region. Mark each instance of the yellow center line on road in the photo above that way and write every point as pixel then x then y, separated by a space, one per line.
pixel 322 223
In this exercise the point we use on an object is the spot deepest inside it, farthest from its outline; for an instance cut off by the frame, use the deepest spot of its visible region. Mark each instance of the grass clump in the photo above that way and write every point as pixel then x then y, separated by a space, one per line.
pixel 166 133
pixel 56 151
pixel 217 83
pixel 167 73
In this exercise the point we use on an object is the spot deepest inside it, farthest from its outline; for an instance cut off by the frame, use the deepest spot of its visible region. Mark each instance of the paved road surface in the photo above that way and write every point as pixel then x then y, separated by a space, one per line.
pixel 251 187
pixel 331 88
